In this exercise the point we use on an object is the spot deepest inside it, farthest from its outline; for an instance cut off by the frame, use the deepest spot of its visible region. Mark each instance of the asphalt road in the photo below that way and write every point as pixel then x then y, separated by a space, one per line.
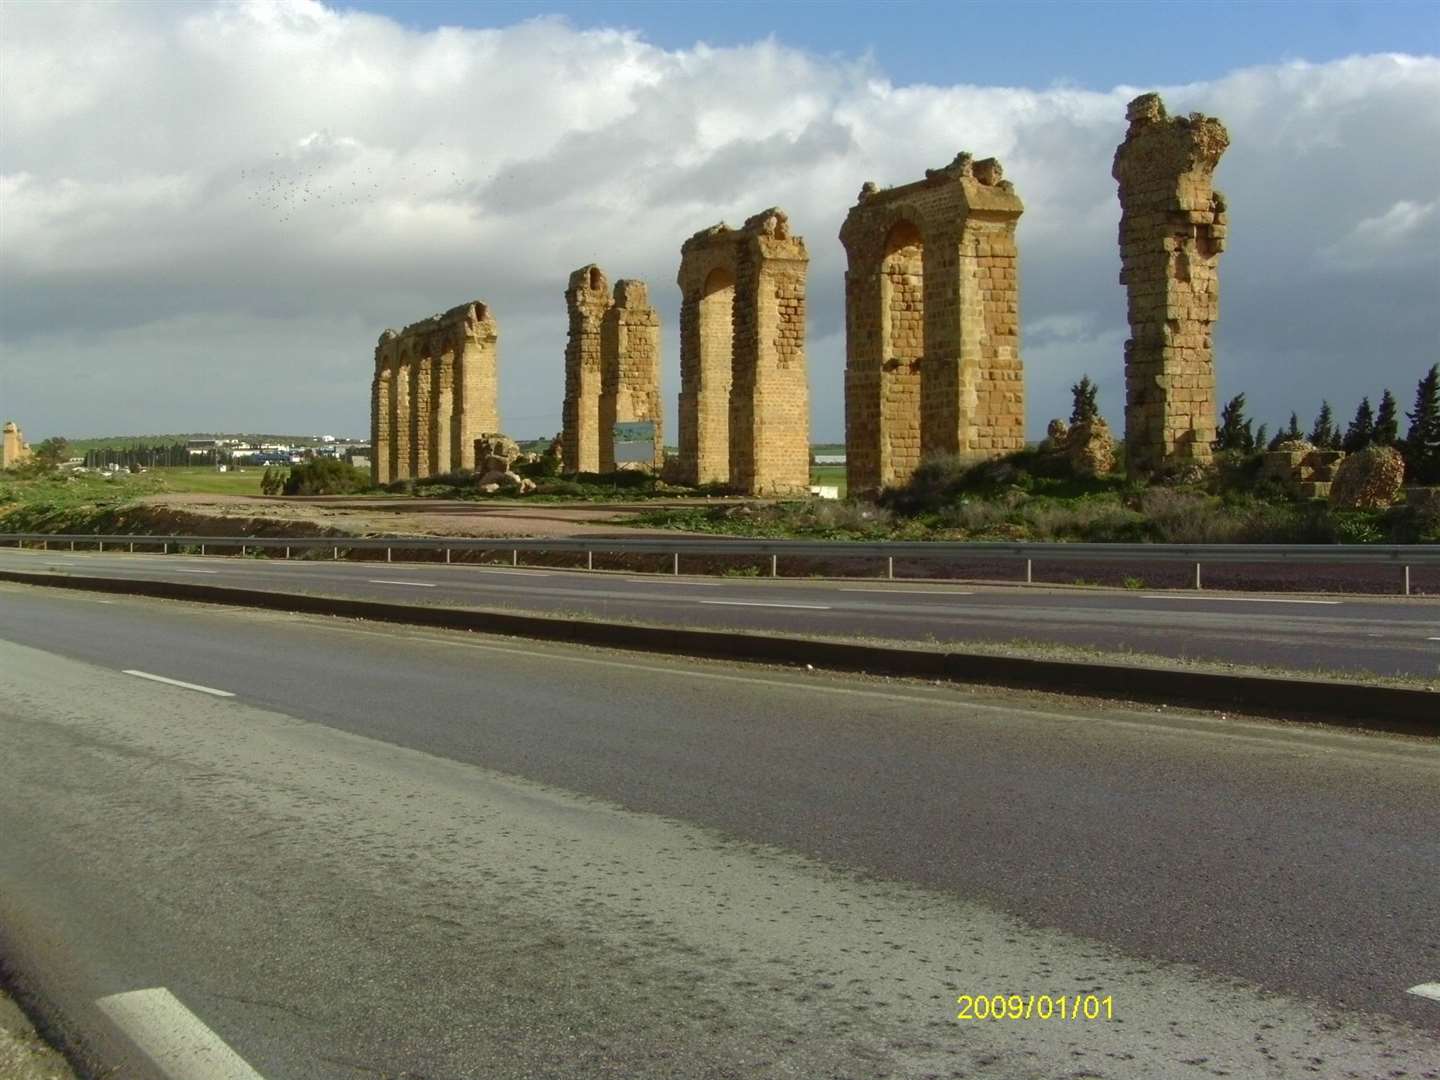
pixel 409 853
pixel 1377 636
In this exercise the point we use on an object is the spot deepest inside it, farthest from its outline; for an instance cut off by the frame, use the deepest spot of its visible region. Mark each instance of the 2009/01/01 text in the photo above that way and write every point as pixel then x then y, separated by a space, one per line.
pixel 1035 1007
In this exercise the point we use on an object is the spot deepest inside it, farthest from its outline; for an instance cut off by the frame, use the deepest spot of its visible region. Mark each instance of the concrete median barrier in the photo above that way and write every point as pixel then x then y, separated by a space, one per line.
pixel 1397 709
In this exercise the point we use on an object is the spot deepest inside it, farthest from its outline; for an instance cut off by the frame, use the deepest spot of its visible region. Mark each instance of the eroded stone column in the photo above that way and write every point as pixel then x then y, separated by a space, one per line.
pixel 630 370
pixel 1172 231
pixel 770 391
pixel 401 428
pixel 587 298
pixel 476 390
pixel 707 345
pixel 382 410
pixel 932 349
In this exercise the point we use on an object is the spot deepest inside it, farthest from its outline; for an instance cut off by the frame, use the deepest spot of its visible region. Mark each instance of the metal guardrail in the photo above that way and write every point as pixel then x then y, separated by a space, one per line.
pixel 1400 556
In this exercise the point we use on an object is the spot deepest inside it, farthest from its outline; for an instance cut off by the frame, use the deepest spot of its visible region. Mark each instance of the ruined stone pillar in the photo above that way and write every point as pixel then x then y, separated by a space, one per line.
pixel 421 411
pixel 382 408
pixel 587 298
pixel 1172 231
pixel 707 341
pixel 630 370
pixel 401 428
pixel 442 407
pixel 476 379
pixel 932 323
pixel 770 391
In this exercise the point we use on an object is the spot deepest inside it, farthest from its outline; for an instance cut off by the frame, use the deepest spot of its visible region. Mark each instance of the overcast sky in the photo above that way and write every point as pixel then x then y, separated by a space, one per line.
pixel 209 213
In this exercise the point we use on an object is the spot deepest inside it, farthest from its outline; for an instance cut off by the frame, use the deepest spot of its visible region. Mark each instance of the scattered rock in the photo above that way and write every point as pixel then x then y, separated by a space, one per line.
pixel 1090 447
pixel 1368 480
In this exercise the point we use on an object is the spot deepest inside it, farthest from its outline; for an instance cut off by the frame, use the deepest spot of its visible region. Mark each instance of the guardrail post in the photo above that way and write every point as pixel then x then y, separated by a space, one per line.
pixel 1197 577
pixel 102 545
pixel 774 569
pixel 132 547
pixel 167 548
pixel 242 551
pixel 589 559
pixel 44 545
pixel 890 566
pixel 387 554
pixel 72 545
pixel 447 556
pixel 1029 572
pixel 515 557
pixel 287 551
pixel 336 555
pixel 202 549
pixel 1407 581
pixel 675 566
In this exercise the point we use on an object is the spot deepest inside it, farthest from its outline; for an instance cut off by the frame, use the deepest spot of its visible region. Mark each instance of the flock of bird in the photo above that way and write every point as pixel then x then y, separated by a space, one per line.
pixel 288 186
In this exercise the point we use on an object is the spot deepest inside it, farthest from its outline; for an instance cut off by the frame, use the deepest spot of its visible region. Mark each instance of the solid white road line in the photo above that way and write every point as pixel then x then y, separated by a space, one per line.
pixel 762 603
pixel 176 682
pixel 1236 599
pixel 1426 990
pixel 910 592
pixel 417 584
pixel 173 1037
pixel 1432 639
pixel 517 573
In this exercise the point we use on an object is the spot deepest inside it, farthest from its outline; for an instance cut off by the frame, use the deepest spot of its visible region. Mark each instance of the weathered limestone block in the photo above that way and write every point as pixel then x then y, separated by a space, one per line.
pixel 1172 231
pixel 1305 471
pixel 1368 480
pixel 932 323
pixel 433 391
pixel 1090 446
pixel 744 392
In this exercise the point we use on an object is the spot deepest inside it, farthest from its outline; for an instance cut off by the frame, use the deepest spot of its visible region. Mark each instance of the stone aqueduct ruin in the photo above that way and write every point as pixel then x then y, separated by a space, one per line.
pixel 744 391
pixel 932 331
pixel 612 369
pixel 433 394
pixel 932 323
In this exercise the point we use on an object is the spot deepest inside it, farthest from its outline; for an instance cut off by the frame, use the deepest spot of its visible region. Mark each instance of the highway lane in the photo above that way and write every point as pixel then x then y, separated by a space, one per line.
pixel 402 850
pixel 1372 635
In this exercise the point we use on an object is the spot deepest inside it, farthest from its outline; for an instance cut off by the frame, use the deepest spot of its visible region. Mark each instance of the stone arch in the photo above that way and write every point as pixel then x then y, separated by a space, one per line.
pixel 902 345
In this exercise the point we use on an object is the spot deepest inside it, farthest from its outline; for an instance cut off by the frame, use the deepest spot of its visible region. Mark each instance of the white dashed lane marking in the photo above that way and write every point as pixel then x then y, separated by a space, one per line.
pixel 1426 990
pixel 183 685
pixel 416 584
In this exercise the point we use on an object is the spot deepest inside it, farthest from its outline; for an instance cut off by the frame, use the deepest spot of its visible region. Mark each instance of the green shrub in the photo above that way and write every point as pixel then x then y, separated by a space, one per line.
pixel 326 476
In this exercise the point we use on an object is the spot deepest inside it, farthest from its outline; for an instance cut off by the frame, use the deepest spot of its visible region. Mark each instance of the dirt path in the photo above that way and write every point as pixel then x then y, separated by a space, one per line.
pixel 408 516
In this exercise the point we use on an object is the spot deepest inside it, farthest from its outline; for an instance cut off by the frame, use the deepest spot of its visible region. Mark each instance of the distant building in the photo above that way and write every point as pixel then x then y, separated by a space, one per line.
pixel 13 448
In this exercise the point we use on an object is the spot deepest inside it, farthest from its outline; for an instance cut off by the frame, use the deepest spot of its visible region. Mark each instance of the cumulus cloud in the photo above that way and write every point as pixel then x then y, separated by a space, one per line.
pixel 208 213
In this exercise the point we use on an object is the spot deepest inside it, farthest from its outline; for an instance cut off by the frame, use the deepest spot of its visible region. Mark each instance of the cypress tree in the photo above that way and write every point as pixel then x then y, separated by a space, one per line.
pixel 1323 434
pixel 1387 425
pixel 1235 431
pixel 1083 408
pixel 1261 437
pixel 1361 432
pixel 1422 443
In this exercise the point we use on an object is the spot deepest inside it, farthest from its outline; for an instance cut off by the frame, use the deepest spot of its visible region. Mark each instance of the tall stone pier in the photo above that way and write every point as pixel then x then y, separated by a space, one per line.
pixel 434 392
pixel 1172 231
pixel 630 371
pixel 932 323
pixel 612 369
pixel 744 390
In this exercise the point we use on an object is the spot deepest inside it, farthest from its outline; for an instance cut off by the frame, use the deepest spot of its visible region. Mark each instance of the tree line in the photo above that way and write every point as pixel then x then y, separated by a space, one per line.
pixel 1420 446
